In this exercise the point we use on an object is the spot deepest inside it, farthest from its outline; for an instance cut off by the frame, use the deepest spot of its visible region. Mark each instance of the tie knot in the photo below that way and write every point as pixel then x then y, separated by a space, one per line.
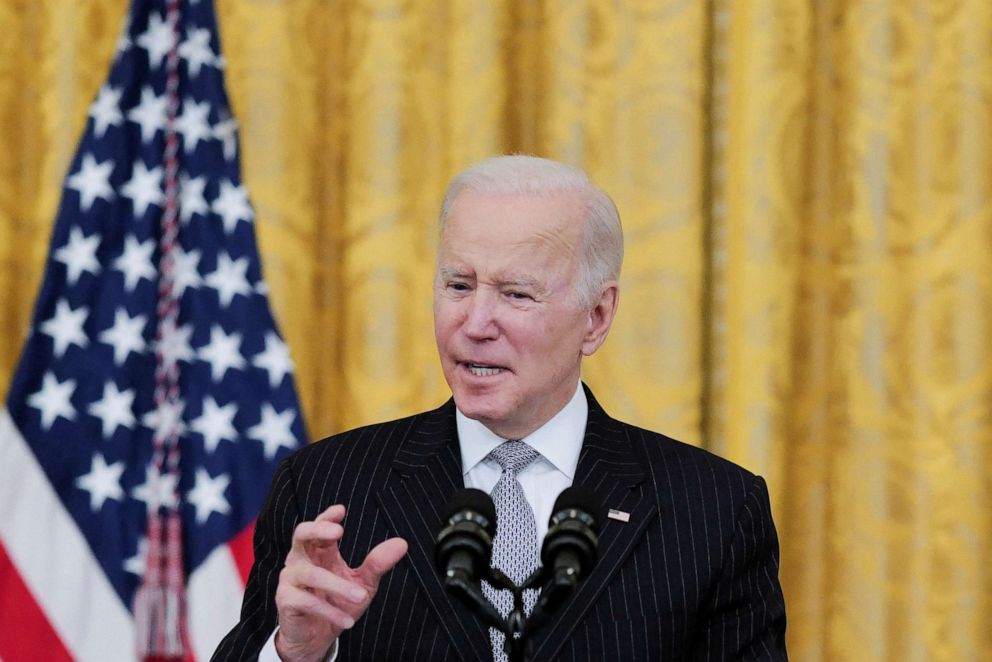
pixel 513 456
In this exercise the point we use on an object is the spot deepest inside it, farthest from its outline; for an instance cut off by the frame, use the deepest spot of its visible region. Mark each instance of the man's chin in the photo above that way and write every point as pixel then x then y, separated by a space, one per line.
pixel 485 408
pixel 482 412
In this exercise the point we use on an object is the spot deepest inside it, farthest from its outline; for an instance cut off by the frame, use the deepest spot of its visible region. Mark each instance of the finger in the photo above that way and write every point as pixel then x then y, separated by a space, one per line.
pixel 294 601
pixel 312 578
pixel 326 527
pixel 381 560
pixel 333 513
pixel 316 535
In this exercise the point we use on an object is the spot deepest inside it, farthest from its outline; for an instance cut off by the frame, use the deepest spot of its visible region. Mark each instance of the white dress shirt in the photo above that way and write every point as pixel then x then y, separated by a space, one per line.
pixel 559 442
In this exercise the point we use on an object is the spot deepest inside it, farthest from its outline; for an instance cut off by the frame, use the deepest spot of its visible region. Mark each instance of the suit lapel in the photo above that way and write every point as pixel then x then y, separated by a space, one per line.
pixel 426 472
pixel 609 467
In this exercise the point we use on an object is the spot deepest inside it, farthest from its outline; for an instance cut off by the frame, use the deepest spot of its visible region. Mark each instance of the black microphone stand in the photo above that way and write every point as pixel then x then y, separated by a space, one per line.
pixel 514 628
pixel 518 628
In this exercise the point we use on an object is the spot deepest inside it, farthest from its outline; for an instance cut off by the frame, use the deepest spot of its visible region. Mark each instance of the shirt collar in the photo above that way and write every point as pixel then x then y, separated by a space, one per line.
pixel 558 441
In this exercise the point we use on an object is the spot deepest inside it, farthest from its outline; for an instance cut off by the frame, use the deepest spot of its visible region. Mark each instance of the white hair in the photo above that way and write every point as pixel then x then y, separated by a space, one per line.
pixel 602 249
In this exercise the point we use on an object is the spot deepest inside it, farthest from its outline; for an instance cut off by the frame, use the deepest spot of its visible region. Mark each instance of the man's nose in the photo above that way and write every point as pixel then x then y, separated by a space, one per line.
pixel 480 316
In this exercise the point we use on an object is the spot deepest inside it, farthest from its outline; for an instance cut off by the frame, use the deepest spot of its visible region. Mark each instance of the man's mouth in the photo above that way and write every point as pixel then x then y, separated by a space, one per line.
pixel 483 370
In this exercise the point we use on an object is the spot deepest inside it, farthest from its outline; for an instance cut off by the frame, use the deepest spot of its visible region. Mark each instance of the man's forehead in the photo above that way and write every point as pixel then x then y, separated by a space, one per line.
pixel 566 207
pixel 514 223
pixel 513 253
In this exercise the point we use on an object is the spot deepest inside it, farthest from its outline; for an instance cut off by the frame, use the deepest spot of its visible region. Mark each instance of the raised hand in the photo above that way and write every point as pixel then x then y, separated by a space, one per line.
pixel 319 596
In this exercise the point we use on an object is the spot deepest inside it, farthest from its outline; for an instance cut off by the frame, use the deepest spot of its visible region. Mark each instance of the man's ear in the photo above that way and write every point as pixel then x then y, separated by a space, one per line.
pixel 601 317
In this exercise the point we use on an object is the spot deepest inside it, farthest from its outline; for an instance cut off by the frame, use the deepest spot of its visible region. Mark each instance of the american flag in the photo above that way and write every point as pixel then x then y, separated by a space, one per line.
pixel 153 381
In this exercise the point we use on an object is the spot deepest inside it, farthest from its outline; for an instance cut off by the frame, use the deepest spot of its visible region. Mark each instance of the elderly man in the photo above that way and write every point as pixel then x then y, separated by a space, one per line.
pixel 526 286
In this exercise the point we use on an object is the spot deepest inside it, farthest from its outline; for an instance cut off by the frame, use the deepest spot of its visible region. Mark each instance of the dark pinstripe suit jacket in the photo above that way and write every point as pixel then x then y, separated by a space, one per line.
pixel 693 575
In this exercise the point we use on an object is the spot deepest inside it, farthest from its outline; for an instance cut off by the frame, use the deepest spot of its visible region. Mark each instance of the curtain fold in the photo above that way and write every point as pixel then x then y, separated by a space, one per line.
pixel 806 190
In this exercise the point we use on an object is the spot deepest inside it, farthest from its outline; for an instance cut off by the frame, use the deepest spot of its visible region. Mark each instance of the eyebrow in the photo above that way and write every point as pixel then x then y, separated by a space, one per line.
pixel 451 272
pixel 512 280
pixel 518 281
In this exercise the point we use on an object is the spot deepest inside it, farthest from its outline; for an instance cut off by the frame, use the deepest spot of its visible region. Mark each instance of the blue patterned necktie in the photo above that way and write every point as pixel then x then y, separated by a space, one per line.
pixel 515 549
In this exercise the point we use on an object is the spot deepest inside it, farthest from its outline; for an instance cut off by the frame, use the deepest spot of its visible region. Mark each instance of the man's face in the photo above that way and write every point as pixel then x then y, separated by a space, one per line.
pixel 509 332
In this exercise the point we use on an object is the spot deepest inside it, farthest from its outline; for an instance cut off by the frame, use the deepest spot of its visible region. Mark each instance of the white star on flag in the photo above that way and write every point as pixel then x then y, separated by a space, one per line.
pixel 125 336
pixel 150 114
pixel 114 409
pixel 136 262
pixel 124 42
pixel 186 272
pixel 79 255
pixel 66 327
pixel 196 50
pixel 215 423
pixel 157 40
pixel 91 181
pixel 102 482
pixel 274 359
pixel 191 199
pixel 274 429
pixel 231 204
pixel 144 188
pixel 193 123
pixel 229 278
pixel 165 419
pixel 157 490
pixel 53 400
pixel 222 352
pixel 174 344
pixel 106 110
pixel 137 563
pixel 208 495
pixel 226 131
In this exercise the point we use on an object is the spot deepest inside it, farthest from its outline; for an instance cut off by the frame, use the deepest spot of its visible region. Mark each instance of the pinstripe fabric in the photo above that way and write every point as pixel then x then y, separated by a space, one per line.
pixel 692 576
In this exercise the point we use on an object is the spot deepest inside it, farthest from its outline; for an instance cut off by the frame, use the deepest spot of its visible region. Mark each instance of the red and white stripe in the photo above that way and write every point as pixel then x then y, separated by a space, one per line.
pixel 64 608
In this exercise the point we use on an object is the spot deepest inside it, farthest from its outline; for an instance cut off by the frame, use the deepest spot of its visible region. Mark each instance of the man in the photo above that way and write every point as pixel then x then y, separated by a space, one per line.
pixel 526 286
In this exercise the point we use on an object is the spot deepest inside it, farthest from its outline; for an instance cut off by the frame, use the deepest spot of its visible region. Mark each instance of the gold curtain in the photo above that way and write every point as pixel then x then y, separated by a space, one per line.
pixel 806 188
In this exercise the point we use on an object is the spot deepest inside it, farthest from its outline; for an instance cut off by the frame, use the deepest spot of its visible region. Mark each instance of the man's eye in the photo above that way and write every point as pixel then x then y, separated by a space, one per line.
pixel 458 287
pixel 520 296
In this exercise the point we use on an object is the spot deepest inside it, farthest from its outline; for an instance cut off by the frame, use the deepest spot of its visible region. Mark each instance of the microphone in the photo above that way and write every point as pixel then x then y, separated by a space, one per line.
pixel 465 544
pixel 464 548
pixel 570 549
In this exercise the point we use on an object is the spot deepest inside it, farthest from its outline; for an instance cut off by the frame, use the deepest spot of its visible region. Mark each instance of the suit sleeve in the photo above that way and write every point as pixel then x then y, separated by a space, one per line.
pixel 746 618
pixel 272 541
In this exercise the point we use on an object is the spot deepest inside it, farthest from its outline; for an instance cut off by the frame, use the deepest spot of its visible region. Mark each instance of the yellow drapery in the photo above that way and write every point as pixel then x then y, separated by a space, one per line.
pixel 806 189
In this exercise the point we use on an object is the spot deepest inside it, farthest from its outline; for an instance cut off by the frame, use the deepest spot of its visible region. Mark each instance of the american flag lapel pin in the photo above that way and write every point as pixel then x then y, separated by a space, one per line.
pixel 618 515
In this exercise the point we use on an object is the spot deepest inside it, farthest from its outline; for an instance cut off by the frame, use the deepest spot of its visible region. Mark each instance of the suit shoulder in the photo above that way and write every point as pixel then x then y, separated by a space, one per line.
pixel 366 439
pixel 664 451
pixel 345 467
pixel 697 483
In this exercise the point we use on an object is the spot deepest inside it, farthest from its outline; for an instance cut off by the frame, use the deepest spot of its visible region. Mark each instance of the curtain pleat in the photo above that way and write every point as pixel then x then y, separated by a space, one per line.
pixel 806 191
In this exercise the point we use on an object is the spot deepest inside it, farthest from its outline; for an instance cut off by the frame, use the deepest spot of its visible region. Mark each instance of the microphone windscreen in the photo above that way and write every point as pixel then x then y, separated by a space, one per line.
pixel 471 499
pixel 579 498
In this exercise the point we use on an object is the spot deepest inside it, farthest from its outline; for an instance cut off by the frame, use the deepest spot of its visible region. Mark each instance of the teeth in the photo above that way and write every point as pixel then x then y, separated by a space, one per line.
pixel 483 371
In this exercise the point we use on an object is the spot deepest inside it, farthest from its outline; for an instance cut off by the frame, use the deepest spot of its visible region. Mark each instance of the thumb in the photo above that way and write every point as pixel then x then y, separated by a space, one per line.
pixel 381 560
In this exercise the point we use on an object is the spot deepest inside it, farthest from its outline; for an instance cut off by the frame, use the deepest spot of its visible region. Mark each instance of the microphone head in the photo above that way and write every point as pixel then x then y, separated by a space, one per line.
pixel 573 530
pixel 580 502
pixel 471 500
pixel 464 545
